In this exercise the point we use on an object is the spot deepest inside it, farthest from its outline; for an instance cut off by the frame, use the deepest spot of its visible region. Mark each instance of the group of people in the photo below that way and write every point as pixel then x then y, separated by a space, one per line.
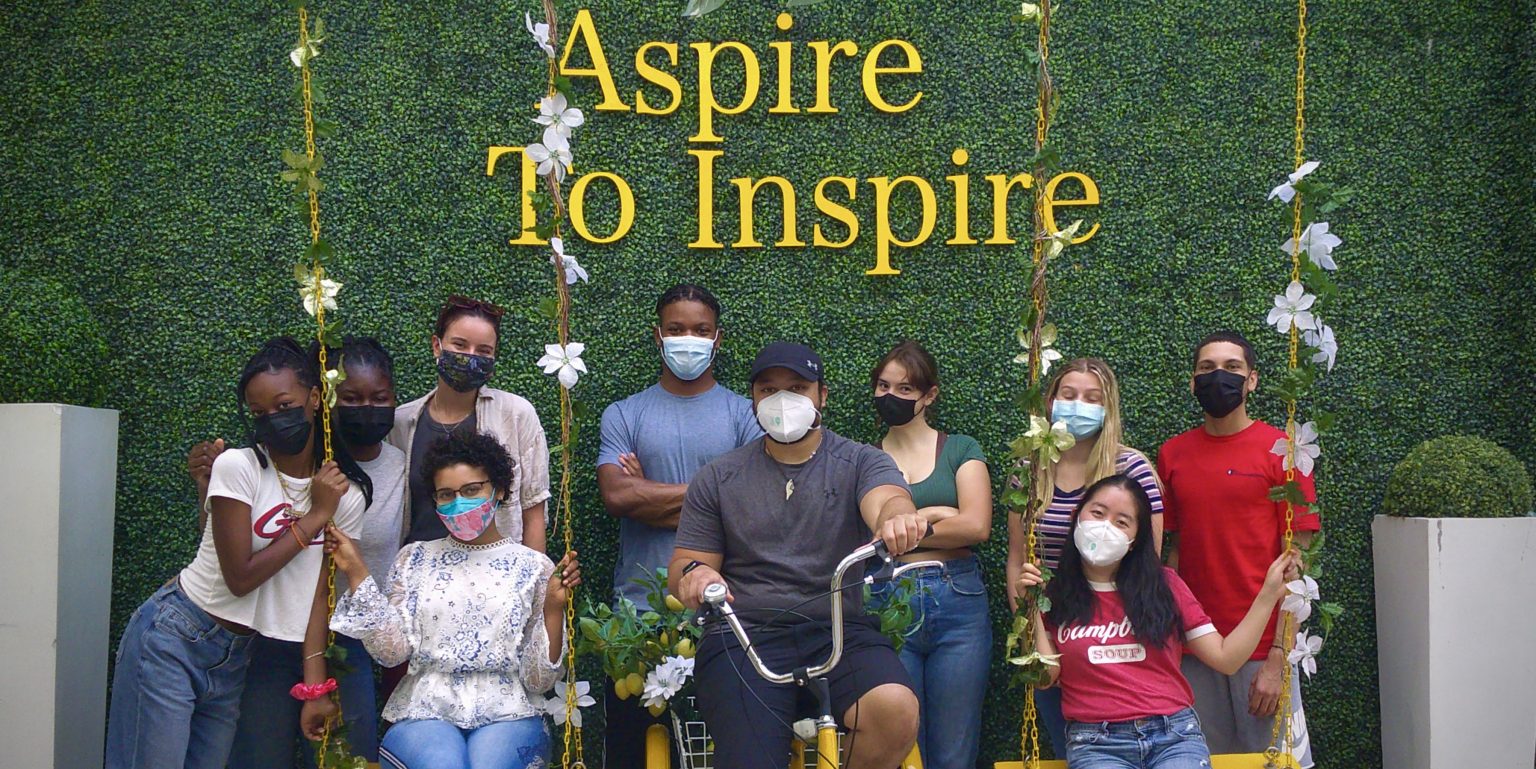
pixel 434 514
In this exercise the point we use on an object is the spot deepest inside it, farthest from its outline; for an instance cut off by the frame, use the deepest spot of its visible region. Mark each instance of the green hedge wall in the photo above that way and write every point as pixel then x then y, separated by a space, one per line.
pixel 153 246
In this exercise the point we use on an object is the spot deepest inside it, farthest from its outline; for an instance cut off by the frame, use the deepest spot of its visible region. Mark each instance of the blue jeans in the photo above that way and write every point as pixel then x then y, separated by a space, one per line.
pixel 176 688
pixel 1052 722
pixel 268 735
pixel 948 657
pixel 1156 742
pixel 441 745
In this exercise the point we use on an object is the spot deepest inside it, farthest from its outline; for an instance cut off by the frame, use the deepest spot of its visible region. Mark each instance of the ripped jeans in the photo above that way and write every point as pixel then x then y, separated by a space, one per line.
pixel 1157 742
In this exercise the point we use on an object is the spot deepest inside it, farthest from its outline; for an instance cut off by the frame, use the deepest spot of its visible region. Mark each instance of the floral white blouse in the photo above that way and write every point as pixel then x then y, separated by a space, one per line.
pixel 469 619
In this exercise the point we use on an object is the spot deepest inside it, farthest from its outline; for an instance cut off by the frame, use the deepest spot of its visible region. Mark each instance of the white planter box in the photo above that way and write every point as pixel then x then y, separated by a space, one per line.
pixel 1456 641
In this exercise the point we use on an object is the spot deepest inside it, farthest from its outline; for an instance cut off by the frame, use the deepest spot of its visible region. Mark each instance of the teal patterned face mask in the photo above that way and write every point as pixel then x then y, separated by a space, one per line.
pixel 465 371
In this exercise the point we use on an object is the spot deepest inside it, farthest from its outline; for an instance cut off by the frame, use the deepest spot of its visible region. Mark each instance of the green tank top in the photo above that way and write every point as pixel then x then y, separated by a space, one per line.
pixel 938 489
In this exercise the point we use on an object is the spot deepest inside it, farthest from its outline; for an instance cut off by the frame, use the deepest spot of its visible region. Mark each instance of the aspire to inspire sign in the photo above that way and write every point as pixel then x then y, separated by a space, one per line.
pixel 832 195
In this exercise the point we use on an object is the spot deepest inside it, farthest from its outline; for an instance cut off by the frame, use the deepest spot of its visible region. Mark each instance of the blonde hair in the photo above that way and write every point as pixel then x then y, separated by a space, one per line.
pixel 1103 461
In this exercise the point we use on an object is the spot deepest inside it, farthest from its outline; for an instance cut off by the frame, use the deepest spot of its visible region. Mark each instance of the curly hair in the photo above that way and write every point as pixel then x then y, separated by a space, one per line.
pixel 477 450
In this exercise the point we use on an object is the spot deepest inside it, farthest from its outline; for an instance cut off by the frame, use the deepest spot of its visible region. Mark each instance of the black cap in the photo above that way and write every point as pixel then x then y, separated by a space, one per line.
pixel 796 357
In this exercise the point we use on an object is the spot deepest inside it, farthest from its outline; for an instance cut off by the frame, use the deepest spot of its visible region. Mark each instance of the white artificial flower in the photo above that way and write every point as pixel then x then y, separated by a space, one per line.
pixel 1059 241
pixel 1293 307
pixel 1305 652
pixel 1047 355
pixel 1321 339
pixel 555 704
pixel 540 34
pixel 564 362
pixel 556 113
pixel 1287 190
pixel 1030 11
pixel 666 680
pixel 328 291
pixel 1307 449
pixel 573 269
pixel 1300 593
pixel 1318 242
pixel 551 159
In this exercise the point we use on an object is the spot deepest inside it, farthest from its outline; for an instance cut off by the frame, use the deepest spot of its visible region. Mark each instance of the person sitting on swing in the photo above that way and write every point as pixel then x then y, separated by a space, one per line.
pixel 1120 622
pixel 479 616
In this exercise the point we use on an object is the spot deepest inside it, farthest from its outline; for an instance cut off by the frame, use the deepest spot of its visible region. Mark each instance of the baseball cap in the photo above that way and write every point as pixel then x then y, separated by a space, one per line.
pixel 796 357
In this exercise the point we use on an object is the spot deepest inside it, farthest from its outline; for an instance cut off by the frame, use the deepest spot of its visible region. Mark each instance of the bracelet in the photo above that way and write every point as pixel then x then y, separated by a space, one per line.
pixel 296 538
pixel 691 566
pixel 306 692
pixel 316 654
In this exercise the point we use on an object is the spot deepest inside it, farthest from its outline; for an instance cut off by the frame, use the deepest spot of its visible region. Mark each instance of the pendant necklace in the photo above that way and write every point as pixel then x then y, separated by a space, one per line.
pixel 789 483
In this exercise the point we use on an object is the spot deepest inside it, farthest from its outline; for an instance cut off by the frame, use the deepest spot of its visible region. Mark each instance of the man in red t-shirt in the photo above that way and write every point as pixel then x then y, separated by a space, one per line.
pixel 1225 533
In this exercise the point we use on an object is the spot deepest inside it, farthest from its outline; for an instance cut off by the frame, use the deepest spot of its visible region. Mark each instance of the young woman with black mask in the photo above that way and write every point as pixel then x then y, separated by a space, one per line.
pixel 464 345
pixel 182 662
pixel 947 656
pixel 1121 622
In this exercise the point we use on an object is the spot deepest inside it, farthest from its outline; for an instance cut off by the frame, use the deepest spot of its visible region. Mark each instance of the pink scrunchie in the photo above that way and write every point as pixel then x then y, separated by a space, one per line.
pixel 306 692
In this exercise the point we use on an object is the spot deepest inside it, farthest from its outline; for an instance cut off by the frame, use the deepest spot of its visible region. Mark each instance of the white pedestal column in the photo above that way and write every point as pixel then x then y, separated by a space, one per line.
pixel 58 480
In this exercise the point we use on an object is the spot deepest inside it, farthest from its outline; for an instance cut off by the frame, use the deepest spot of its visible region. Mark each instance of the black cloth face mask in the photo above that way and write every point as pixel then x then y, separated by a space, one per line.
pixel 1220 392
pixel 365 425
pixel 465 371
pixel 284 432
pixel 895 410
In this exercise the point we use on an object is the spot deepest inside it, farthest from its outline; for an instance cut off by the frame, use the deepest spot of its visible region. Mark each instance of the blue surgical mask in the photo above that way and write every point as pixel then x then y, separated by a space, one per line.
pixel 1083 419
pixel 687 356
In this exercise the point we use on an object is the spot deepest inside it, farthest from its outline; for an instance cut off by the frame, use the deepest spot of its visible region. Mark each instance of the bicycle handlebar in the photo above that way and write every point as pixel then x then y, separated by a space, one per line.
pixel 714 602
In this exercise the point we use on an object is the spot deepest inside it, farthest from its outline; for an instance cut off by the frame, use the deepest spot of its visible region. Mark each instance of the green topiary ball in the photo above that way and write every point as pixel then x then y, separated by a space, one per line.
pixel 1459 476
pixel 52 350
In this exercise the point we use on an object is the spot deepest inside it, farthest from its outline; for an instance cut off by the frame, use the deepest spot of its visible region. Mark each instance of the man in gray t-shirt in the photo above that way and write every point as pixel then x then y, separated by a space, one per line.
pixel 771 520
pixel 653 442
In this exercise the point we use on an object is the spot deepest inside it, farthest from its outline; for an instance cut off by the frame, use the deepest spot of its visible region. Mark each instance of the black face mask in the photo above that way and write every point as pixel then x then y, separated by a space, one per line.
pixel 464 371
pixel 284 432
pixel 1220 392
pixel 896 411
pixel 365 425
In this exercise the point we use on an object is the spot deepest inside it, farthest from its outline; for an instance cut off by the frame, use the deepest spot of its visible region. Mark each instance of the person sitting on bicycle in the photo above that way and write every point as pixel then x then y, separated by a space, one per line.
pixel 1121 622
pixel 771 520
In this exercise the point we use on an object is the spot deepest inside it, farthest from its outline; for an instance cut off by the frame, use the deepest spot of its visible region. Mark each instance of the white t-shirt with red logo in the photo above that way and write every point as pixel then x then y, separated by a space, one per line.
pixel 1107 675
pixel 279 607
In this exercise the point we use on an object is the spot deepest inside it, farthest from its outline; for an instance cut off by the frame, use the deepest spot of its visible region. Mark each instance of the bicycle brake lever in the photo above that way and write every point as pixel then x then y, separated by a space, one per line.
pixel 889 566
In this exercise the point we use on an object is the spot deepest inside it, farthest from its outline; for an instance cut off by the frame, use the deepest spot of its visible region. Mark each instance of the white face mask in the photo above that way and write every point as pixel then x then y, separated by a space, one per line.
pixel 1100 543
pixel 786 416
pixel 687 356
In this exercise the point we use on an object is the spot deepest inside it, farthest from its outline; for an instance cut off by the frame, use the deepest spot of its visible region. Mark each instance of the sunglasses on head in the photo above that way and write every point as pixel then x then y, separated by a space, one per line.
pixel 465 303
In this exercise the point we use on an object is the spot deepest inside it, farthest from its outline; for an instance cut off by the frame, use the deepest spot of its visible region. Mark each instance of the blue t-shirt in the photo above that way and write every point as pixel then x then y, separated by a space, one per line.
pixel 673 436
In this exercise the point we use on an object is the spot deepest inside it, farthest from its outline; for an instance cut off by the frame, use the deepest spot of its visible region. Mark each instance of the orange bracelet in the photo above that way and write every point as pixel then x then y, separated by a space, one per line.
pixel 302 544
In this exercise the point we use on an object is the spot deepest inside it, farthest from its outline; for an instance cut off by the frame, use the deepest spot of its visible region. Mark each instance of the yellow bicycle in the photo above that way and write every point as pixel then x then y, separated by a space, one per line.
pixel 827 754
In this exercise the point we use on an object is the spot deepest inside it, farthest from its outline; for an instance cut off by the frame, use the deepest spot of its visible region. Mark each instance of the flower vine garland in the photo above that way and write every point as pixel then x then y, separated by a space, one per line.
pixel 318 294
pixel 553 159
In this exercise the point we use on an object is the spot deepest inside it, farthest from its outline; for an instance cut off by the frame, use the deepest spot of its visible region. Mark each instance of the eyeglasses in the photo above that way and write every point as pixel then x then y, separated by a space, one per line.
pixel 468 491
pixel 465 303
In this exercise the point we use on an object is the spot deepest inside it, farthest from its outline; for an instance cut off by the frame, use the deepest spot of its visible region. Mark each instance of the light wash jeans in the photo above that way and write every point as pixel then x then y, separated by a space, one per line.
pixel 520 744
pixel 268 736
pixel 1157 742
pixel 948 658
pixel 176 688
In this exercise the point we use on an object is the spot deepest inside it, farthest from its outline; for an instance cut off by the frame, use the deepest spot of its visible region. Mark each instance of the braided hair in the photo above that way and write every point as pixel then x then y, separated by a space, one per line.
pixel 284 354
pixel 360 352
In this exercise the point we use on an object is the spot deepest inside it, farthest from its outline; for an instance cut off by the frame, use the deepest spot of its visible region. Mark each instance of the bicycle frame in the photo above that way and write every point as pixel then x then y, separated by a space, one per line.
pixel 814 678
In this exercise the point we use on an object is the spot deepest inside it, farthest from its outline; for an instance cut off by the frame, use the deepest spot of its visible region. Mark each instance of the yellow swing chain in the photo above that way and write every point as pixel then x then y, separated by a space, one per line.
pixel 317 274
pixel 572 737
pixel 1029 729
pixel 1282 726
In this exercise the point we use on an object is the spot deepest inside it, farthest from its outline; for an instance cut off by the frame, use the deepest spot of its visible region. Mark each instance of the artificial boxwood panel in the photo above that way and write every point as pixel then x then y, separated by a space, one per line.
pixel 141 202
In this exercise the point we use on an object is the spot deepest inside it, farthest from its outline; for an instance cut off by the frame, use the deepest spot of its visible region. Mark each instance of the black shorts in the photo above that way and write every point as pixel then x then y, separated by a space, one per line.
pixel 753 732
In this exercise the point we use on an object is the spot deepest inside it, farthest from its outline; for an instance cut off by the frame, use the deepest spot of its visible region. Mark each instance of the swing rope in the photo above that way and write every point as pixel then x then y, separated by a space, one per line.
pixel 327 384
pixel 1029 731
pixel 1283 724
pixel 564 516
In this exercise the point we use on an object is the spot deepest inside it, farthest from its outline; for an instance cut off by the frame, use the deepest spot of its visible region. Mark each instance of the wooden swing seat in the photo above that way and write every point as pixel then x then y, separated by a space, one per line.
pixel 1225 761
